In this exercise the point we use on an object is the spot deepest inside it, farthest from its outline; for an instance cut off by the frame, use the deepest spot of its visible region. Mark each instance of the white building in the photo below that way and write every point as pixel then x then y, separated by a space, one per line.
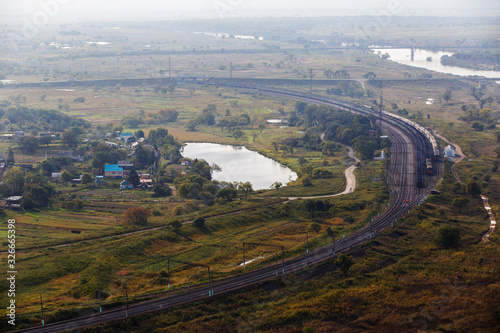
pixel 449 151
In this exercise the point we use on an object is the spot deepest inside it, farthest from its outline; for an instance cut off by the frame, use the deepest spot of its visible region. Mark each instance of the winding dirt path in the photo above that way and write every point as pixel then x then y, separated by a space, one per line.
pixel 460 153
pixel 485 238
pixel 349 176
pixel 492 220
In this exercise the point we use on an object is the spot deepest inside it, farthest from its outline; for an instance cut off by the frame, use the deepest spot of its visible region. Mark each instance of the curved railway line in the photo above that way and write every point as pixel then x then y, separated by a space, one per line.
pixel 409 147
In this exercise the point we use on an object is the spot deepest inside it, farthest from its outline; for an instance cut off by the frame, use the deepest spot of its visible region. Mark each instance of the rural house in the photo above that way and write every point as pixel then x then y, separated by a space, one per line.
pixel 113 171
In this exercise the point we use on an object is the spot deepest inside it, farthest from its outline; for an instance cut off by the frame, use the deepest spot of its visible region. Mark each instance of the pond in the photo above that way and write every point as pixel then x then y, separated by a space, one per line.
pixel 240 164
pixel 432 61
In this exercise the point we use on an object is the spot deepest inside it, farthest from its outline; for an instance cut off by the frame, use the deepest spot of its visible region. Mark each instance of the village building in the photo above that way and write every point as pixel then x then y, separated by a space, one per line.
pixel 125 185
pixel 113 171
pixel 449 151
pixel 14 202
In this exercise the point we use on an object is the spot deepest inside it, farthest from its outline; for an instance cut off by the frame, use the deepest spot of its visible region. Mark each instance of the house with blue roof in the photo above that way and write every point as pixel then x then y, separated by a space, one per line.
pixel 125 185
pixel 113 171
pixel 127 137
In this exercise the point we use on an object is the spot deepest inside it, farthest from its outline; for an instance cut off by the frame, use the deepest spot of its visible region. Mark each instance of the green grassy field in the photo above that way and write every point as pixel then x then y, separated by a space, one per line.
pixel 401 280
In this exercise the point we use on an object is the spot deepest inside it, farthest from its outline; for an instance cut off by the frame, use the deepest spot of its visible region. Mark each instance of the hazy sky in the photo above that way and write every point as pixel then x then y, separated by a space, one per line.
pixel 120 9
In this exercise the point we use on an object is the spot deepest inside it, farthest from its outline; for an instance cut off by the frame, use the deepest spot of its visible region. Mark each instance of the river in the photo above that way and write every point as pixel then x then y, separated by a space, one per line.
pixel 403 56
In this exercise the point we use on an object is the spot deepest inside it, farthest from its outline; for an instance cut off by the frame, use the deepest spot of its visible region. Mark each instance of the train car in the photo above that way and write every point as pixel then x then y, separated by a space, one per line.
pixel 428 163
pixel 421 129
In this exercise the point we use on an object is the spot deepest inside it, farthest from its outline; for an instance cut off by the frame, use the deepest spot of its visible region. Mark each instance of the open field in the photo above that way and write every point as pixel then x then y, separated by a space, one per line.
pixel 401 280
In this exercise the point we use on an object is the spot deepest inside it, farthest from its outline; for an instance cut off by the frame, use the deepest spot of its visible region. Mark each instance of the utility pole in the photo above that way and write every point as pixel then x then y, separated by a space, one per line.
pixel 212 278
pixel 283 258
pixel 333 242
pixel 126 300
pixel 268 234
pixel 41 305
pixel 381 106
pixel 99 291
pixel 169 67
pixel 230 69
pixel 310 80
pixel 168 272
pixel 343 232
pixel 276 257
pixel 188 282
pixel 264 244
pixel 243 256
pixel 209 285
pixel 307 242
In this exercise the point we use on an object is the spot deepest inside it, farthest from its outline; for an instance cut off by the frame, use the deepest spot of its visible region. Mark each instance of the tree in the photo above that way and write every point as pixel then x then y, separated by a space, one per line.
pixel 246 188
pixel 175 224
pixel 477 126
pixel 66 176
pixel 139 134
pixel 86 178
pixel 448 236
pixel 306 181
pixel 133 178
pixel 460 202
pixel 14 179
pixel 315 227
pixel 447 96
pixel 226 194
pixel 329 147
pixel 276 185
pixel 69 138
pixel 45 140
pixel 276 145
pixel 473 189
pixel 10 158
pixel 497 150
pixel 160 191
pixel 370 76
pixel 28 204
pixel 39 194
pixel 199 223
pixel 238 134
pixel 170 88
pixel 136 216
pixel 310 206
pixel 497 134
pixel 28 144
pixel 344 262
pixel 144 155
pixel 191 125
pixel 302 161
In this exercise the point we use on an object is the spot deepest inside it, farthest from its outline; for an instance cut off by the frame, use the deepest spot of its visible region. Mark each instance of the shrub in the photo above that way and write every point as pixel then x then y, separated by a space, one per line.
pixel 161 191
pixel 178 210
pixel 306 181
pixel 448 236
pixel 28 204
pixel 199 222
pixel 136 216
pixel 175 224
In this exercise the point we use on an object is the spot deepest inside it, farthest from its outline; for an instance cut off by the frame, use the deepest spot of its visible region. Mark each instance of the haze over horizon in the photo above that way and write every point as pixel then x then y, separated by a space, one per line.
pixel 155 9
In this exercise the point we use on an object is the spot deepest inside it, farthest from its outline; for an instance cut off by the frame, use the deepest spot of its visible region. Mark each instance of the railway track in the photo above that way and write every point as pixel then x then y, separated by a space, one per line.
pixel 405 194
